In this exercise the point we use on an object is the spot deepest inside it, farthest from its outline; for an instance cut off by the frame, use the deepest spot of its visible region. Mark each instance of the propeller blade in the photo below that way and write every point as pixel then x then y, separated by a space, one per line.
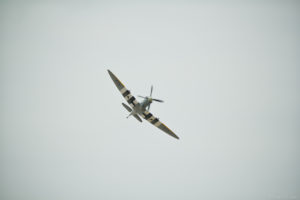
pixel 151 90
pixel 141 96
pixel 158 100
pixel 149 107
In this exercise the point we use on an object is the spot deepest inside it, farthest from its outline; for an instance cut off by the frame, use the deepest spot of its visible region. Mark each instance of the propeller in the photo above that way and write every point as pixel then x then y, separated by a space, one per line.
pixel 158 100
pixel 150 98
pixel 151 91
pixel 142 97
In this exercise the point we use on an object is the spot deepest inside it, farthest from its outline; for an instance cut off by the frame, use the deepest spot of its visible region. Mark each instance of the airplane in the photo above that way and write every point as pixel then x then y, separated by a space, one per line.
pixel 137 109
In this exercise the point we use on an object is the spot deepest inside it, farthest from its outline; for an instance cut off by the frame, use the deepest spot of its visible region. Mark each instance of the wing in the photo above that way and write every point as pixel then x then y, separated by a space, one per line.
pixel 155 121
pixel 126 93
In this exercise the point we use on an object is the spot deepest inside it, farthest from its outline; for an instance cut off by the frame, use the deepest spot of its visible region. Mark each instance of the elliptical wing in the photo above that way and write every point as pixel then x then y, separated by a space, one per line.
pixel 155 121
pixel 131 100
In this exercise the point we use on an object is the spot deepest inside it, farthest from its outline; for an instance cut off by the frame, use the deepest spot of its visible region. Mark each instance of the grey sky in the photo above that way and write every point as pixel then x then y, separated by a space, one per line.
pixel 229 75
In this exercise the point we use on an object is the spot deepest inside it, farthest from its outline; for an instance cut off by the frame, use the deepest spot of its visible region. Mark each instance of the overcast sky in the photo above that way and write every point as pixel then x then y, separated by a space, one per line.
pixel 228 72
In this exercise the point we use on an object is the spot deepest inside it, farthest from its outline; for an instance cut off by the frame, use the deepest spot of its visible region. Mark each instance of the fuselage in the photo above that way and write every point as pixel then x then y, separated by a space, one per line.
pixel 146 102
pixel 142 105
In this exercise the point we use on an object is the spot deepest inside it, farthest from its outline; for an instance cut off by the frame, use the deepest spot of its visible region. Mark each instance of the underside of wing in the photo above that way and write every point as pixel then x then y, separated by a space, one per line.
pixel 125 93
pixel 155 121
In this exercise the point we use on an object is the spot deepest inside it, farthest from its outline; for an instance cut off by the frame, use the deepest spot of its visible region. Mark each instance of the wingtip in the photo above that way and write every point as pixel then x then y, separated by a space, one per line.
pixel 110 73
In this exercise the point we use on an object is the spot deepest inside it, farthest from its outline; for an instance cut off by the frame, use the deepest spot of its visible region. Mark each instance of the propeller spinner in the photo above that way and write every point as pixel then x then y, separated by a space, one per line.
pixel 150 98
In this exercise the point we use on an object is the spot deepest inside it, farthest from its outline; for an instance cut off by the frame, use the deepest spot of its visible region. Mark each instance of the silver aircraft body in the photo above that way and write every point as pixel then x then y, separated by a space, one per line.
pixel 140 109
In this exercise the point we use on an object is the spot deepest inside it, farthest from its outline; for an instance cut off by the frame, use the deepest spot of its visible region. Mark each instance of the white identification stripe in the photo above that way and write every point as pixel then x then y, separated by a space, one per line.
pixel 146 112
pixel 157 124
pixel 123 90
pixel 128 96
pixel 135 102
